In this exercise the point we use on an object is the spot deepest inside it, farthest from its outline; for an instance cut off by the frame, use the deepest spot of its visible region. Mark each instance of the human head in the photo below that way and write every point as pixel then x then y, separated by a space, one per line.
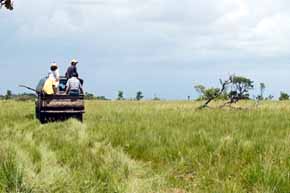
pixel 74 62
pixel 53 66
pixel 74 74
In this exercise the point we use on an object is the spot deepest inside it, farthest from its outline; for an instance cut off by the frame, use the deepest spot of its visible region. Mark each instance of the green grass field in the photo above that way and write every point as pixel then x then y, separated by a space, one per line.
pixel 147 147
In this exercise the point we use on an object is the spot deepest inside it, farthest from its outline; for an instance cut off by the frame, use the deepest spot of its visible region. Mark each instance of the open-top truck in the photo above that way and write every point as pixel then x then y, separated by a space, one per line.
pixel 59 106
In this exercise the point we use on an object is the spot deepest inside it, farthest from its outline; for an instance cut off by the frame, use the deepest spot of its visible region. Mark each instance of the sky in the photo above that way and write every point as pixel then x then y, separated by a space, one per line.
pixel 161 47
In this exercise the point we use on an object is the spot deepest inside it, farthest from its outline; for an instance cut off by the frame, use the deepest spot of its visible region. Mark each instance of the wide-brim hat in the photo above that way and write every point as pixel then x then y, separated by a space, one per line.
pixel 74 61
pixel 53 64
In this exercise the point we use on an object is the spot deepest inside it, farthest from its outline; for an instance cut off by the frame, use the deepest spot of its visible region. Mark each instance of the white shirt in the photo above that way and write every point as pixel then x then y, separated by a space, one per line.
pixel 55 74
pixel 73 84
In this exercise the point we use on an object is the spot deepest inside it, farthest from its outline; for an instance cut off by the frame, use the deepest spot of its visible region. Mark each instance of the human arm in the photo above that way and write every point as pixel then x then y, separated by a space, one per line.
pixel 75 71
pixel 81 89
pixel 66 90
pixel 57 76
pixel 67 87
pixel 54 89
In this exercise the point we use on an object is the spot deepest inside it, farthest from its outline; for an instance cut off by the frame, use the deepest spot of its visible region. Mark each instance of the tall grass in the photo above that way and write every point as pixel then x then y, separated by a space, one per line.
pixel 147 147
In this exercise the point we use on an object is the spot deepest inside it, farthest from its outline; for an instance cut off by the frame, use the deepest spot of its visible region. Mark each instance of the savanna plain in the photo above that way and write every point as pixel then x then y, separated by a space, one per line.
pixel 147 147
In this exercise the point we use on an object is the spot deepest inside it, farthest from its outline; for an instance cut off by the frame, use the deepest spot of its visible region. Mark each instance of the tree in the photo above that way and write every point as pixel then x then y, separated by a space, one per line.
pixel 139 96
pixel 283 96
pixel 156 98
pixel 89 96
pixel 102 98
pixel 213 93
pixel 270 97
pixel 240 87
pixel 8 94
pixel 262 90
pixel 120 95
pixel 24 97
pixel 239 90
pixel 200 90
pixel 8 4
pixel 208 93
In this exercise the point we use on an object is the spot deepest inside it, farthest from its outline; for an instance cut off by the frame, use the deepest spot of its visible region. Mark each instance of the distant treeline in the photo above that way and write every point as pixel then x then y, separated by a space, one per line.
pixel 233 89
pixel 31 97
pixel 19 97
pixel 88 96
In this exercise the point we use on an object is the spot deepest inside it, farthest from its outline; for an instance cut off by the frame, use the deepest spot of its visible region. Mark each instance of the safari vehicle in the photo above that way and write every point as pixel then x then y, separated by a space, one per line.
pixel 59 106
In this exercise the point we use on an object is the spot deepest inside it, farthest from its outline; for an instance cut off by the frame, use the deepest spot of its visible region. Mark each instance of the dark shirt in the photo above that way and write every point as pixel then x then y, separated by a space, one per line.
pixel 72 69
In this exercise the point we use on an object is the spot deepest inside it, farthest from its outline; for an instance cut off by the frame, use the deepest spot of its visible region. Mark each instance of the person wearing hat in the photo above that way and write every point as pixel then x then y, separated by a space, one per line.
pixel 54 71
pixel 72 69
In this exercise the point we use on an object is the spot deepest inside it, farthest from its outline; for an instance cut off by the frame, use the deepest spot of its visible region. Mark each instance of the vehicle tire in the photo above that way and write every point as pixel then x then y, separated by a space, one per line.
pixel 42 118
pixel 79 117
pixel 36 113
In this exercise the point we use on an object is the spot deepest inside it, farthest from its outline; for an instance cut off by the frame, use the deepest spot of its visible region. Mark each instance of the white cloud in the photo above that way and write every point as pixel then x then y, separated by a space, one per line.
pixel 160 33
pixel 182 28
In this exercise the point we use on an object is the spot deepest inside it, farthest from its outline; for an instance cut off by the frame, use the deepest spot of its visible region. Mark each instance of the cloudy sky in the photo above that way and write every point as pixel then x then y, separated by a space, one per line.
pixel 161 47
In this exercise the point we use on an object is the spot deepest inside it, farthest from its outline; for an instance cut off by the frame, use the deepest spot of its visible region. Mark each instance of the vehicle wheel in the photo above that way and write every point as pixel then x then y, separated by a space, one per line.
pixel 79 117
pixel 36 113
pixel 42 118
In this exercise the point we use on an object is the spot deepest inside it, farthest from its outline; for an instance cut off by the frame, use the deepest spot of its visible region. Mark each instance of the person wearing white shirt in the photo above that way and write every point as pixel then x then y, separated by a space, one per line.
pixel 74 86
pixel 54 71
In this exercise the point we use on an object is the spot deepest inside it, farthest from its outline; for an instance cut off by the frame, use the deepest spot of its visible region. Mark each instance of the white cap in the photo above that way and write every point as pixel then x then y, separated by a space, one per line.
pixel 74 61
pixel 54 64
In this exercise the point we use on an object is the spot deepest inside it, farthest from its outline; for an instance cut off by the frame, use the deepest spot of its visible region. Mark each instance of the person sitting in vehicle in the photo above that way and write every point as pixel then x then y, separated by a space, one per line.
pixel 55 73
pixel 49 87
pixel 72 69
pixel 74 86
